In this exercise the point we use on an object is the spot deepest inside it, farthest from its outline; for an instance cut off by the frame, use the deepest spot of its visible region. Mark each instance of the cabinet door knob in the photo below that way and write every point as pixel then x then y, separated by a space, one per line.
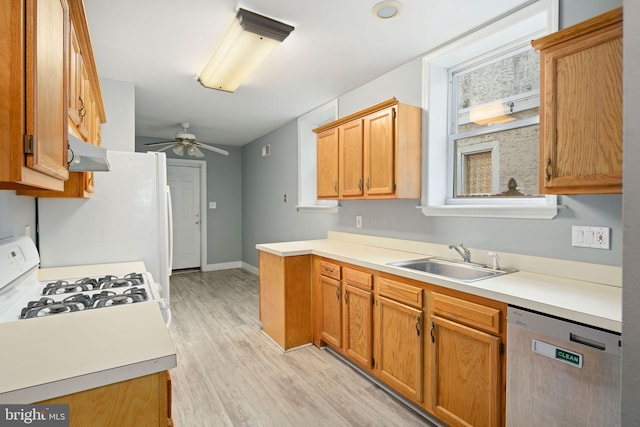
pixel 548 171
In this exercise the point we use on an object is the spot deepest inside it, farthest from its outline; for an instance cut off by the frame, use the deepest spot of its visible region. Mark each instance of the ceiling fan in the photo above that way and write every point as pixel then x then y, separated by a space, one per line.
pixel 186 143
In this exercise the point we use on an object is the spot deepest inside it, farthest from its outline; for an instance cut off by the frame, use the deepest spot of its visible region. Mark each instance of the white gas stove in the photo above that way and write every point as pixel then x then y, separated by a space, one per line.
pixel 24 297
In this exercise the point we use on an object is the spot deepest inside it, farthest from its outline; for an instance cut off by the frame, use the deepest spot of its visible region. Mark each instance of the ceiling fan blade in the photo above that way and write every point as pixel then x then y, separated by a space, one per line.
pixel 163 148
pixel 160 143
pixel 211 148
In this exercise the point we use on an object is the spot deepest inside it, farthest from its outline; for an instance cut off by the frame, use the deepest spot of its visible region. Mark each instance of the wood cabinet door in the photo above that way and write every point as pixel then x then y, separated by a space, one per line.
pixel 399 359
pixel 379 136
pixel 327 164
pixel 75 101
pixel 581 117
pixel 331 316
pixel 351 158
pixel 466 373
pixel 47 60
pixel 357 313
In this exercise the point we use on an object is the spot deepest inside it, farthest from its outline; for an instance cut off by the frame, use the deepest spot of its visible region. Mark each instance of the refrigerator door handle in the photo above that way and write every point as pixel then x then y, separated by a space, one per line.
pixel 170 216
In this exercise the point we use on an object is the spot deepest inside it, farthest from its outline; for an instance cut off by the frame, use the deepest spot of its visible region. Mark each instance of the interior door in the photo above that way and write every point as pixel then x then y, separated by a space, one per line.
pixel 184 182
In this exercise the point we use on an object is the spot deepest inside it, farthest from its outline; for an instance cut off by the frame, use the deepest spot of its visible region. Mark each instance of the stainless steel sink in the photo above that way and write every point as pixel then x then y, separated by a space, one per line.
pixel 465 272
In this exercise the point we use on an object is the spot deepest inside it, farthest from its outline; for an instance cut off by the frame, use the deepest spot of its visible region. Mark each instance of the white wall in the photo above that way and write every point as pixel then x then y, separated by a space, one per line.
pixel 118 133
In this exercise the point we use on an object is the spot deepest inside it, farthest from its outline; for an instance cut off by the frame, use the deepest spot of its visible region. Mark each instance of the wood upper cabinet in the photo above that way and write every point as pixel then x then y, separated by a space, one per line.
pixel 581 107
pixel 399 356
pixel 465 361
pixel 84 107
pixel 378 153
pixel 33 125
pixel 327 164
pixel 351 159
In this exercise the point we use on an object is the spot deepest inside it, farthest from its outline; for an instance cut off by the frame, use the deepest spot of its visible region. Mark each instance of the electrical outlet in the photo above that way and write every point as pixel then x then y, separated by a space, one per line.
pixel 358 221
pixel 27 230
pixel 590 237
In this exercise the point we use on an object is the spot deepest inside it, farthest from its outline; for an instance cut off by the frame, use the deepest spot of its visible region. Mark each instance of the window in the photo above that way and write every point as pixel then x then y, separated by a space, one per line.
pixel 307 189
pixel 481 93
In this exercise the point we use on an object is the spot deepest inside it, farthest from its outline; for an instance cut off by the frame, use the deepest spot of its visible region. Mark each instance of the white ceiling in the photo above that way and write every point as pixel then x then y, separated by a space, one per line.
pixel 337 46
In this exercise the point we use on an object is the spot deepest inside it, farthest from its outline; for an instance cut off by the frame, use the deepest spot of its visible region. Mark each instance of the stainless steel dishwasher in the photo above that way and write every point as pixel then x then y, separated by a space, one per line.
pixel 560 373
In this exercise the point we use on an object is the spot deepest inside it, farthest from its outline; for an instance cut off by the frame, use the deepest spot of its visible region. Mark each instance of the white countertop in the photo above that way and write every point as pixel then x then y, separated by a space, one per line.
pixel 53 356
pixel 564 292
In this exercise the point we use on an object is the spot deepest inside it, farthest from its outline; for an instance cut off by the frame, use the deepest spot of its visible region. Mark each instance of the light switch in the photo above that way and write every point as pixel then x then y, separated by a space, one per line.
pixel 212 205
pixel 590 237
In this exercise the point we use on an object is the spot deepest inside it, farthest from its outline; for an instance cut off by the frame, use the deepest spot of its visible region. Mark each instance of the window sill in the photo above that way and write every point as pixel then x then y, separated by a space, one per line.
pixel 318 209
pixel 546 211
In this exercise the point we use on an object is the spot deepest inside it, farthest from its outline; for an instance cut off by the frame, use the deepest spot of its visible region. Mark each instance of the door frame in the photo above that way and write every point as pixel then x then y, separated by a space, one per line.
pixel 202 166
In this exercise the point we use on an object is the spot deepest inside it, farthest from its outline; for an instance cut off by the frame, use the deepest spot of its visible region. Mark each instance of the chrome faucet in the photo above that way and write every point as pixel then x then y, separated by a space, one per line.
pixel 462 251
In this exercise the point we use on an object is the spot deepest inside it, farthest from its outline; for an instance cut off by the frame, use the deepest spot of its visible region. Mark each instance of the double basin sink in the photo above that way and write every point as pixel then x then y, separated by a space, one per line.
pixel 456 270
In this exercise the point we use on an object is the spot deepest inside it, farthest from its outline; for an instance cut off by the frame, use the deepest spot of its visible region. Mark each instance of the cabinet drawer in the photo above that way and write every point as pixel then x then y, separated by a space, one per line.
pixel 401 292
pixel 358 279
pixel 465 312
pixel 330 269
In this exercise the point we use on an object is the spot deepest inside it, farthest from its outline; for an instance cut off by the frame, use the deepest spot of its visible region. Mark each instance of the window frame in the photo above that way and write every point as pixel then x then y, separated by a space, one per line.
pixel 528 22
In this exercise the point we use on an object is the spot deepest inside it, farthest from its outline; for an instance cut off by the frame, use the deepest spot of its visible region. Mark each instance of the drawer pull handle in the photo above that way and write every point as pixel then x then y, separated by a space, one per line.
pixel 328 270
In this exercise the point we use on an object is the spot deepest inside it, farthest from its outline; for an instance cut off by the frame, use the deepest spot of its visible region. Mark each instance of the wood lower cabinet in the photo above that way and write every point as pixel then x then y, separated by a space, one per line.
pixel 581 107
pixel 285 298
pixel 357 316
pixel 466 363
pixel 440 348
pixel 138 402
pixel 346 311
pixel 399 359
pixel 331 311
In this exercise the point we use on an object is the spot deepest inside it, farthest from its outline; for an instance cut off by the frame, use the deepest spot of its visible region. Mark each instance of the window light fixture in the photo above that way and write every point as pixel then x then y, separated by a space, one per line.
pixel 248 40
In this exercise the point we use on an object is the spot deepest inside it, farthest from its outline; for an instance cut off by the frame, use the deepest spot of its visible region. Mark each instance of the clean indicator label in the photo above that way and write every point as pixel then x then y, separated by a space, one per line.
pixel 558 353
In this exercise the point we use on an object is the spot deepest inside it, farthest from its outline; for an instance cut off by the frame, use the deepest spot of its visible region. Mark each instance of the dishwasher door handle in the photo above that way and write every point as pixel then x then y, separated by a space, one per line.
pixel 588 342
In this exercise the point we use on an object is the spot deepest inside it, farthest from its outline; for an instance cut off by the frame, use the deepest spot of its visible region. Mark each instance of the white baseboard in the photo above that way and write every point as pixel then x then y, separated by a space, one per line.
pixel 229 265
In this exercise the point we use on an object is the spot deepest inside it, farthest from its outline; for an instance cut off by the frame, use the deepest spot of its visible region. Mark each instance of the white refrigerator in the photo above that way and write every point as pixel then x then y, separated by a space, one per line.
pixel 128 218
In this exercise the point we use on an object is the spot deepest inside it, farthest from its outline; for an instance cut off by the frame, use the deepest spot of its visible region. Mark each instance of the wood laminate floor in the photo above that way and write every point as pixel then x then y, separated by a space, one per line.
pixel 230 374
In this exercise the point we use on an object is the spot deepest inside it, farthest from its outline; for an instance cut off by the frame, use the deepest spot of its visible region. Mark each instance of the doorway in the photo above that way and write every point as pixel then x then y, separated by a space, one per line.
pixel 187 181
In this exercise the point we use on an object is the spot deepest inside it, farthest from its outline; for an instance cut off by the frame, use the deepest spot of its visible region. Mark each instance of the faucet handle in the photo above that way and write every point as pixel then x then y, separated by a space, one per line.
pixel 496 260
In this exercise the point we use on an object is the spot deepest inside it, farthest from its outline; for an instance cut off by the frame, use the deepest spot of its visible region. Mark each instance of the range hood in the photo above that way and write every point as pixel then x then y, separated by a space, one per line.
pixel 85 157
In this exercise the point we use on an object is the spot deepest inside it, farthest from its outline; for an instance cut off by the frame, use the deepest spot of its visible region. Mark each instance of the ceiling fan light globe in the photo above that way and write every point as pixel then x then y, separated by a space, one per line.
pixel 191 150
pixel 179 150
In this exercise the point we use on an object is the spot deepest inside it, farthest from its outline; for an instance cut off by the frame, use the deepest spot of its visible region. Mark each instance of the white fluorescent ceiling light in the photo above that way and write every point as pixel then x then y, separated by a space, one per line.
pixel 248 40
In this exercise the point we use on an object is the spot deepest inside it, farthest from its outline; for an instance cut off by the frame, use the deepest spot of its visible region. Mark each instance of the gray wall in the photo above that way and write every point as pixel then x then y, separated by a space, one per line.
pixel 400 218
pixel 224 186
pixel 16 212
pixel 631 203
pixel 266 217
